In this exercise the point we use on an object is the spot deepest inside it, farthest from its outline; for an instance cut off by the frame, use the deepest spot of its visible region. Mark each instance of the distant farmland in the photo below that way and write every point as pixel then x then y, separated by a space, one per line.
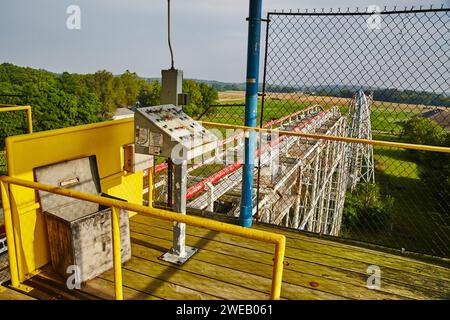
pixel 386 116
pixel 227 96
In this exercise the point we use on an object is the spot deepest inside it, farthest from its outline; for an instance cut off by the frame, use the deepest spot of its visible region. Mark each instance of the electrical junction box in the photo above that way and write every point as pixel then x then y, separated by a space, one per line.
pixel 79 232
pixel 169 132
pixel 171 86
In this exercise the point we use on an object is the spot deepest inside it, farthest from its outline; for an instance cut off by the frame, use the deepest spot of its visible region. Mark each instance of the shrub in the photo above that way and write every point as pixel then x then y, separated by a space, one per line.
pixel 434 166
pixel 366 209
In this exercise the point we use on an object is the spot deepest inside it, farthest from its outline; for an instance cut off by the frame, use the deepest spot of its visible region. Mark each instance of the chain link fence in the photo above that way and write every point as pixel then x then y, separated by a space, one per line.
pixel 377 75
pixel 386 75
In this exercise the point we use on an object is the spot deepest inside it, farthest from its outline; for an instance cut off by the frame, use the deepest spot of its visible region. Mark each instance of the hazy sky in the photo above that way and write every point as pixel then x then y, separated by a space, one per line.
pixel 209 36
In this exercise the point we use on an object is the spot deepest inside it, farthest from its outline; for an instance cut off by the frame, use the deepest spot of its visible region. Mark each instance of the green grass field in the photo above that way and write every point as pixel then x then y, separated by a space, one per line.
pixel 236 115
pixel 389 119
pixel 417 224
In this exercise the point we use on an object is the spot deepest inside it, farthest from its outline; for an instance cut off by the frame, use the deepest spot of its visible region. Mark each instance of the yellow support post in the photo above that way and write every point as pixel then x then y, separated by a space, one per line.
pixel 29 120
pixel 150 187
pixel 278 265
pixel 12 257
pixel 117 256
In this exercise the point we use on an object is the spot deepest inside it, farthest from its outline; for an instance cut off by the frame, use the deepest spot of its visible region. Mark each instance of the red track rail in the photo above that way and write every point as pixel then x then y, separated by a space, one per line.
pixel 200 186
pixel 163 166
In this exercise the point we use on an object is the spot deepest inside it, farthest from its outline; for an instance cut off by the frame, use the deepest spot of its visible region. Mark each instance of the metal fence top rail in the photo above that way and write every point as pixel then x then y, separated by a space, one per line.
pixel 353 13
pixel 333 138
pixel 10 107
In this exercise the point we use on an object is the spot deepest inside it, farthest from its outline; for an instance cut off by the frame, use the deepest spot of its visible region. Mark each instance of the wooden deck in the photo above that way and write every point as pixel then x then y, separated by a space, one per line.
pixel 9 294
pixel 230 267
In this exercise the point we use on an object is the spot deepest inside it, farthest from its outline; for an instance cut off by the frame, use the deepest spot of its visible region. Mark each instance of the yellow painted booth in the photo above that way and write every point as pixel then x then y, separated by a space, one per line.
pixel 24 153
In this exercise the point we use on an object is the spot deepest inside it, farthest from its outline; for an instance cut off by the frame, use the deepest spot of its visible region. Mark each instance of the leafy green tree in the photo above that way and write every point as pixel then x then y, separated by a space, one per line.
pixel 101 84
pixel 366 209
pixel 150 93
pixel 209 95
pixel 131 85
pixel 62 100
pixel 424 131
pixel 434 167
pixel 57 100
pixel 195 97
pixel 201 96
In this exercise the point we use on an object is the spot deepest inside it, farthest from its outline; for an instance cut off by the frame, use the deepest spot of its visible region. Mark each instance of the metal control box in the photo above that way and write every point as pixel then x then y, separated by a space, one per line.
pixel 169 132
pixel 79 232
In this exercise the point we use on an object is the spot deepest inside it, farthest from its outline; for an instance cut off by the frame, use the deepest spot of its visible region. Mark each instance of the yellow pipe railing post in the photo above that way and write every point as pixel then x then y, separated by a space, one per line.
pixel 12 256
pixel 29 120
pixel 150 187
pixel 278 264
pixel 117 256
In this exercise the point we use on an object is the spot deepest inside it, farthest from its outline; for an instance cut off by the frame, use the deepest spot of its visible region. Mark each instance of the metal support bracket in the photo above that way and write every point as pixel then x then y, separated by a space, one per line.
pixel 22 288
pixel 176 258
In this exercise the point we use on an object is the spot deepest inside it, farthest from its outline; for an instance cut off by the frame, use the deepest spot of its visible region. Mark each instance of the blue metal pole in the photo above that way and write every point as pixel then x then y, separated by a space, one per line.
pixel 251 110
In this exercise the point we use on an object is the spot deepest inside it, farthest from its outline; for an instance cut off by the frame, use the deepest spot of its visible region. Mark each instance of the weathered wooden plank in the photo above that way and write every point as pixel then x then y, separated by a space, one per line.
pixel 9 294
pixel 346 284
pixel 290 233
pixel 104 289
pixel 301 241
pixel 235 277
pixel 330 248
pixel 56 289
pixel 143 282
pixel 400 268
pixel 200 283
pixel 298 258
pixel 100 288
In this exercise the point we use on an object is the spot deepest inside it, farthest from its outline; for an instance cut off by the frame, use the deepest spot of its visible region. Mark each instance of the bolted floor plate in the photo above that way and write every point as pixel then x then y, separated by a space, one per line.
pixel 22 288
pixel 176 259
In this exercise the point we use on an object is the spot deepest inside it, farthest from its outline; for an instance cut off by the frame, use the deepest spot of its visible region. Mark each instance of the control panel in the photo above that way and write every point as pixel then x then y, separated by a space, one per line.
pixel 169 132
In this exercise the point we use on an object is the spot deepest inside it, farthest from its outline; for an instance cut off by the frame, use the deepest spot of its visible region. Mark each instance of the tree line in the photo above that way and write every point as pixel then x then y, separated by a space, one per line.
pixel 67 99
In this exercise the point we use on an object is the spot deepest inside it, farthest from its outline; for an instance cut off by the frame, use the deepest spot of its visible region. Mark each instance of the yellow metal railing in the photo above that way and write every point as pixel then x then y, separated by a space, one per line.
pixel 8 108
pixel 333 138
pixel 268 237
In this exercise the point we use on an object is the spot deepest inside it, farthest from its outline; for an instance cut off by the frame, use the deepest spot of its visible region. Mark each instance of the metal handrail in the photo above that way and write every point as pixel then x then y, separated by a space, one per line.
pixel 8 108
pixel 264 236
